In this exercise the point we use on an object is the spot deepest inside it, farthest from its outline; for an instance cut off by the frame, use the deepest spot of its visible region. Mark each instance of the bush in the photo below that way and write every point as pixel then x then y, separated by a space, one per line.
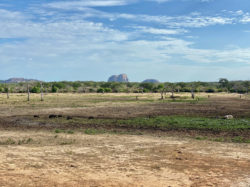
pixel 54 89
pixel 59 85
pixel 108 90
pixel 6 89
pixel 100 90
pixel 210 90
pixel 91 90
pixel 147 86
pixel 76 85
pixel 185 89
pixel 145 90
pixel 35 89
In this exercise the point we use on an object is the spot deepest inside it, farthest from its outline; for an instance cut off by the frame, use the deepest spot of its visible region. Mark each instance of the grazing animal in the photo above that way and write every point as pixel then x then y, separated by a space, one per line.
pixel 52 116
pixel 69 117
pixel 228 117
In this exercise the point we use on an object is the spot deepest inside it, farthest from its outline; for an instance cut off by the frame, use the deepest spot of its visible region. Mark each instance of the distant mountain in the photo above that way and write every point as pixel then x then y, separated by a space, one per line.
pixel 18 80
pixel 118 78
pixel 151 81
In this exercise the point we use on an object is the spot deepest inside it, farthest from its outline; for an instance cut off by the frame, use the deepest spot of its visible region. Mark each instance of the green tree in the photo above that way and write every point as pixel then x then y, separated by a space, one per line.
pixel 147 86
pixel 35 89
pixel 108 90
pixel 54 89
pixel 76 85
pixel 100 90
pixel 59 85
pixel 224 83
pixel 246 84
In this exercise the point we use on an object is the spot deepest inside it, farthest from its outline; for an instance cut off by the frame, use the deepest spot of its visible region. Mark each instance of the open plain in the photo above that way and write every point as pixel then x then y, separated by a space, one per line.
pixel 118 140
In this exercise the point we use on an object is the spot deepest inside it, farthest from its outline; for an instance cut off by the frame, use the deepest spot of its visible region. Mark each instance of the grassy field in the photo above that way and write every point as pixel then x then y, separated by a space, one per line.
pixel 135 111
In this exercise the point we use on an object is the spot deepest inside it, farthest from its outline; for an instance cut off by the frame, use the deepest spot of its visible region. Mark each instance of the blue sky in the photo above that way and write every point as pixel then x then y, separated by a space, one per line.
pixel 169 40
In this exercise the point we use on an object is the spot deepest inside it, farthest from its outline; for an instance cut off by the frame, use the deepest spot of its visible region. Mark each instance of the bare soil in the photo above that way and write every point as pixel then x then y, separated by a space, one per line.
pixel 120 160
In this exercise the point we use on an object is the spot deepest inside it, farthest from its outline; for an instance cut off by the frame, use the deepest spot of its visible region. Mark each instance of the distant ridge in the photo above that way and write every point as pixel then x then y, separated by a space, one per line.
pixel 18 80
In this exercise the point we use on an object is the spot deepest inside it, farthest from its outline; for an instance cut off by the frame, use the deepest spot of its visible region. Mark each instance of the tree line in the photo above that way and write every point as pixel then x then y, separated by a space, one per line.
pixel 223 85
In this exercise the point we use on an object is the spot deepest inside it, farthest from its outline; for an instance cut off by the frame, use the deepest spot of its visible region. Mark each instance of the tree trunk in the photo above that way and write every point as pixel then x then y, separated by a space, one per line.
pixel 192 93
pixel 8 93
pixel 193 96
pixel 41 92
pixel 28 92
pixel 162 95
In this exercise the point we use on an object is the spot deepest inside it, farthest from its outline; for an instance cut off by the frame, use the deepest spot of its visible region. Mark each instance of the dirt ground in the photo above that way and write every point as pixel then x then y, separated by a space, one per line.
pixel 78 159
pixel 32 154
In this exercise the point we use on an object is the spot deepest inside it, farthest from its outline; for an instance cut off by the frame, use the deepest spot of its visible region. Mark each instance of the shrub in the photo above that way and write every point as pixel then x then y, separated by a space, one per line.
pixel 35 89
pixel 210 90
pixel 54 89
pixel 100 90
pixel 108 90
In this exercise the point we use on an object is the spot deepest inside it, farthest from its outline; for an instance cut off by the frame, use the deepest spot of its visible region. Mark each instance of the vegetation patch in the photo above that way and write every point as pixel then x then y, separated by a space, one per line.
pixel 11 141
pixel 64 131
pixel 172 122
pixel 92 131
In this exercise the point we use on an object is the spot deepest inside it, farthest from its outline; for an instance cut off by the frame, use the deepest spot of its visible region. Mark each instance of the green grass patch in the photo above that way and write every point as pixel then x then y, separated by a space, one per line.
pixel 64 131
pixel 166 122
pixel 67 142
pixel 94 131
pixel 201 138
pixel 240 139
pixel 59 131
pixel 179 122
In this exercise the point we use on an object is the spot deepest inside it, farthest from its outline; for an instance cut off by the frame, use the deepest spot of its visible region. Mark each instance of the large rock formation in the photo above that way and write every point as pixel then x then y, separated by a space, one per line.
pixel 118 78
pixel 151 81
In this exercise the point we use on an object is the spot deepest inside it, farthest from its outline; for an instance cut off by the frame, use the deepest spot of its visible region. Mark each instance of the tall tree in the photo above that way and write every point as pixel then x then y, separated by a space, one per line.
pixel 224 83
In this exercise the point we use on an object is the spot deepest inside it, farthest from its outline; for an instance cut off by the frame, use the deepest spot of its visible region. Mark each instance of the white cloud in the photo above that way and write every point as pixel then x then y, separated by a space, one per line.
pixel 158 31
pixel 194 21
pixel 9 16
pixel 206 1
pixel 246 18
pixel 17 25
pixel 86 3
pixel 189 21
pixel 160 1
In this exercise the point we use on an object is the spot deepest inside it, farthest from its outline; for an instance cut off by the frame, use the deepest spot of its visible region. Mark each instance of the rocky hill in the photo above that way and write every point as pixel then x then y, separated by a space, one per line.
pixel 118 78
pixel 151 81
pixel 17 80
